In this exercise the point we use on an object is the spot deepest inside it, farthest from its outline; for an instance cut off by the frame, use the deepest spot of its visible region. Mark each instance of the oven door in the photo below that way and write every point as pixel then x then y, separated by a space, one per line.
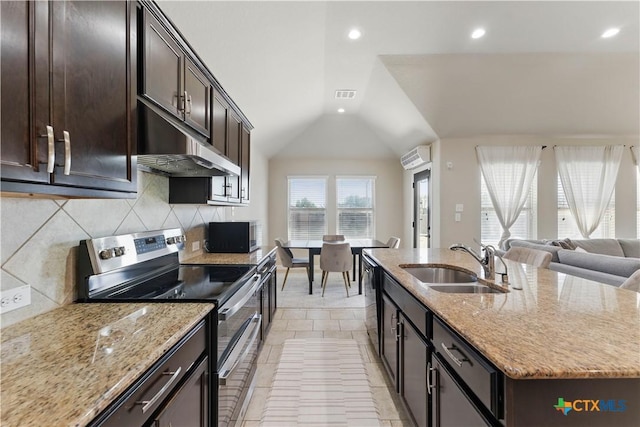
pixel 236 372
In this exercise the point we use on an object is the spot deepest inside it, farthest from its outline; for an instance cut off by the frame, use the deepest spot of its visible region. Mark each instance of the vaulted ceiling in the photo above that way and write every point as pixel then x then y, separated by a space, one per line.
pixel 541 69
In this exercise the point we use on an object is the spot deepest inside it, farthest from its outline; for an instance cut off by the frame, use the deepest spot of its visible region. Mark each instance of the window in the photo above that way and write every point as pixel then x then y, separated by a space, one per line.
pixel 638 203
pixel 525 226
pixel 307 208
pixel 355 207
pixel 567 226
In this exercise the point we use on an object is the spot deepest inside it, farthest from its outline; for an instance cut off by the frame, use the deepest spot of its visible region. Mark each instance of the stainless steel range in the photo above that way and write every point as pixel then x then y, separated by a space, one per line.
pixel 145 267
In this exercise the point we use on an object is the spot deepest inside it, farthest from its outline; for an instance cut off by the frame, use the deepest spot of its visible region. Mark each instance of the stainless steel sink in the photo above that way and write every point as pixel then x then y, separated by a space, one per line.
pixel 465 289
pixel 440 275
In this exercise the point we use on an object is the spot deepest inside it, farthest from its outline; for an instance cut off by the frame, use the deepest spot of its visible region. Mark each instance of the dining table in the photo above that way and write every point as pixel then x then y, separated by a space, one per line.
pixel 315 246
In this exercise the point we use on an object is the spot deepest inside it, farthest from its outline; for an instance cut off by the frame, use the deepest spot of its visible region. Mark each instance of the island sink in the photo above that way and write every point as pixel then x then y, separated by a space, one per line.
pixel 440 275
pixel 465 289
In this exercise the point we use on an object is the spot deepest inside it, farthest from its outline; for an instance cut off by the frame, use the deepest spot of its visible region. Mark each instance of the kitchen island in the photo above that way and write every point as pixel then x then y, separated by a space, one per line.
pixel 65 367
pixel 559 340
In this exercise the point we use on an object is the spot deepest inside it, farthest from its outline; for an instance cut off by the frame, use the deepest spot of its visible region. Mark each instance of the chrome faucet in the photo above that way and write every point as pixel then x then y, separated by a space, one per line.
pixel 487 261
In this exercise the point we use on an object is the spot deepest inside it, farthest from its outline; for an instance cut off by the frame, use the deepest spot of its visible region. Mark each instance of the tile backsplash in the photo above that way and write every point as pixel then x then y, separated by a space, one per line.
pixel 39 237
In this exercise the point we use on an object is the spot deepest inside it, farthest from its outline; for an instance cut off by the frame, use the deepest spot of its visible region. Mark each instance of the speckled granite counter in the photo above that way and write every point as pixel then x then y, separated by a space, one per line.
pixel 58 369
pixel 557 326
pixel 252 258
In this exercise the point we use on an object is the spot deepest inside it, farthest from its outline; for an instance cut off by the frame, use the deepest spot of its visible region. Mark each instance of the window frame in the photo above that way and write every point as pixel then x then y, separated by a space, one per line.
pixel 324 209
pixel 372 209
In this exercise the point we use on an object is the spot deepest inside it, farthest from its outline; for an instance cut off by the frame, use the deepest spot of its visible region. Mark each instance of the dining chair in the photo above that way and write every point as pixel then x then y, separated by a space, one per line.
pixel 333 238
pixel 534 257
pixel 336 257
pixel 288 260
pixel 632 283
pixel 393 242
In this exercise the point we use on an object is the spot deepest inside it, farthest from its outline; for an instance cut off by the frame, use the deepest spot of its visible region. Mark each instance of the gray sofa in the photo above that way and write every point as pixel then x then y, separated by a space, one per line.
pixel 609 261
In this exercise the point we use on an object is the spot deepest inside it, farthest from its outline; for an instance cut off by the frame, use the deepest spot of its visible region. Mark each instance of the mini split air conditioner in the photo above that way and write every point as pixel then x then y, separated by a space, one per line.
pixel 416 157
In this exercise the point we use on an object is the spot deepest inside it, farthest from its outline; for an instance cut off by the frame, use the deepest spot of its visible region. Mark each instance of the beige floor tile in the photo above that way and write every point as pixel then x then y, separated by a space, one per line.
pixel 309 334
pixel 300 325
pixel 318 314
pixel 256 404
pixel 265 373
pixel 352 325
pixel 326 325
pixel 294 313
pixel 345 314
pixel 347 335
pixel 274 354
pixel 278 337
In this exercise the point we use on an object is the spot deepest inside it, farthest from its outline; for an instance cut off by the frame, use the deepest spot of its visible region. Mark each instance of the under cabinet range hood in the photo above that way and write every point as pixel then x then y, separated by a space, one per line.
pixel 167 146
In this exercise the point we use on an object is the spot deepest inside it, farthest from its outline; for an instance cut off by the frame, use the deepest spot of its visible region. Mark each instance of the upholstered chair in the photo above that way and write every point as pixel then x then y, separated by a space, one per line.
pixel 632 283
pixel 534 257
pixel 333 238
pixel 287 260
pixel 336 257
pixel 393 242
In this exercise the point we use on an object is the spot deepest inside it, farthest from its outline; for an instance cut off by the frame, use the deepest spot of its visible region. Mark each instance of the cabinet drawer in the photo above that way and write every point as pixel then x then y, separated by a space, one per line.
pixel 168 372
pixel 412 308
pixel 477 374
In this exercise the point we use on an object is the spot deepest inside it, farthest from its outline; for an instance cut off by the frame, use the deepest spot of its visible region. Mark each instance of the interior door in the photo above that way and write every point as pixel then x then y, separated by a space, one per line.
pixel 421 209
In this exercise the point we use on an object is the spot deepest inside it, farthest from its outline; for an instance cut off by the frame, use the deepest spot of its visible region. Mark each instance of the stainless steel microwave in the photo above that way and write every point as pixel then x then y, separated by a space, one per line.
pixel 233 237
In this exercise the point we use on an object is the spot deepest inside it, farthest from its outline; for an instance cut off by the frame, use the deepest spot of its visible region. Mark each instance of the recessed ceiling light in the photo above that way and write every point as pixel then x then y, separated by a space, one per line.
pixel 610 33
pixel 340 110
pixel 355 34
pixel 477 33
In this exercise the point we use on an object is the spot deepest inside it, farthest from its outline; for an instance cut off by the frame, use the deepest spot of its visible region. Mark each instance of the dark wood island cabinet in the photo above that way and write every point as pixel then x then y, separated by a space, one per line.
pixel 68 98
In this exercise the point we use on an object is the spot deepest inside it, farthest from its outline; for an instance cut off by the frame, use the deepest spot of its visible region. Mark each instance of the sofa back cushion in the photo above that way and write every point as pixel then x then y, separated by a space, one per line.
pixel 631 247
pixel 540 246
pixel 600 246
pixel 618 266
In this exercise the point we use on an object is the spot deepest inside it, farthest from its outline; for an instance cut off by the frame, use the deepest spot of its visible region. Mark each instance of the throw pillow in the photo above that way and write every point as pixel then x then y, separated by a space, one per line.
pixel 564 244
pixel 579 249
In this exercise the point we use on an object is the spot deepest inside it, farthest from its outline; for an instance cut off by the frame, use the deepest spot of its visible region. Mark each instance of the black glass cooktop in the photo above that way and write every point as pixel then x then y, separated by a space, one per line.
pixel 185 283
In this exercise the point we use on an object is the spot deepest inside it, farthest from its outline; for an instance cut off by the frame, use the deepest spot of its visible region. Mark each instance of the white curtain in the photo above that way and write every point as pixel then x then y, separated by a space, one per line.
pixel 508 173
pixel 579 167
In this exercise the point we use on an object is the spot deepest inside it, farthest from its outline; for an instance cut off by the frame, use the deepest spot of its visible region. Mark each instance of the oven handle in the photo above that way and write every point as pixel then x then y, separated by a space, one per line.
pixel 235 358
pixel 238 300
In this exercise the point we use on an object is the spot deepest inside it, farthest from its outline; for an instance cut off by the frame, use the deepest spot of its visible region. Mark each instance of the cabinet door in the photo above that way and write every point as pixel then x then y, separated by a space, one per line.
pixel 219 123
pixel 450 407
pixel 244 165
pixel 389 349
pixel 273 288
pixel 233 153
pixel 189 407
pixel 162 67
pixel 198 99
pixel 413 383
pixel 25 61
pixel 92 93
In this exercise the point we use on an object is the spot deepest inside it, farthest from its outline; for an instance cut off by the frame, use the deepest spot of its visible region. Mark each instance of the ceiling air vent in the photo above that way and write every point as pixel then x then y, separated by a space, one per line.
pixel 416 157
pixel 345 94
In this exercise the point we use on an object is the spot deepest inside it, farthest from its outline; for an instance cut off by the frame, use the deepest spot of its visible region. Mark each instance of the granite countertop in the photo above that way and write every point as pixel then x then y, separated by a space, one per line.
pixel 557 326
pixel 61 368
pixel 251 258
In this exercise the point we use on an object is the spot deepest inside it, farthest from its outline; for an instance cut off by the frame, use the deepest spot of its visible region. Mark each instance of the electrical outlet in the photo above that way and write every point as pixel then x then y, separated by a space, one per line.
pixel 195 246
pixel 12 299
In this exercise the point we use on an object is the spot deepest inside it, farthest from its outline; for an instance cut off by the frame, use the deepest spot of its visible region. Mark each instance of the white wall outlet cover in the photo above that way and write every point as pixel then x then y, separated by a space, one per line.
pixel 449 165
pixel 14 298
pixel 459 207
pixel 195 246
pixel 458 217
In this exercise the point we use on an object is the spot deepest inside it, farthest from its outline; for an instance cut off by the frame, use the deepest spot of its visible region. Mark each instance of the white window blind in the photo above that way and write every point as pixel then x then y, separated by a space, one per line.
pixel 307 208
pixel 525 226
pixel 638 203
pixel 355 207
pixel 567 226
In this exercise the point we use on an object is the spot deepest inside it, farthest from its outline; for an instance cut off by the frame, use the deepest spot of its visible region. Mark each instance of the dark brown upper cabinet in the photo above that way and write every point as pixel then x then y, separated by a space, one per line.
pixel 68 98
pixel 171 80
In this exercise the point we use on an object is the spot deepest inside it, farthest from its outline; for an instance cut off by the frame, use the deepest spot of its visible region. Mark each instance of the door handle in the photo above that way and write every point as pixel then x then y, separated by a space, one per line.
pixel 429 370
pixel 149 403
pixel 51 149
pixel 67 152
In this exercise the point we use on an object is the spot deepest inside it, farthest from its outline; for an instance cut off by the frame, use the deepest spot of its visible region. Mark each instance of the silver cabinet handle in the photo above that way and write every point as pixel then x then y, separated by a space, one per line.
pixel 51 149
pixel 149 403
pixel 67 152
pixel 188 98
pixel 429 370
pixel 457 361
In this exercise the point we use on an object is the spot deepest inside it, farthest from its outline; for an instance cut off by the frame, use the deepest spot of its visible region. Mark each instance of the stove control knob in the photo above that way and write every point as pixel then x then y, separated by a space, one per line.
pixel 106 253
pixel 180 239
pixel 171 240
pixel 119 251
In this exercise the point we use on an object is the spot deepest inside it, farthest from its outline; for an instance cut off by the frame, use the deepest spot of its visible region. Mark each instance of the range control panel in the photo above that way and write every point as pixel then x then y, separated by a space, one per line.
pixel 111 253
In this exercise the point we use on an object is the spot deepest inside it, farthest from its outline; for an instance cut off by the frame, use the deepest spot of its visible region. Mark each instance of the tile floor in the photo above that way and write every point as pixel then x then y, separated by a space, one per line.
pixel 301 315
